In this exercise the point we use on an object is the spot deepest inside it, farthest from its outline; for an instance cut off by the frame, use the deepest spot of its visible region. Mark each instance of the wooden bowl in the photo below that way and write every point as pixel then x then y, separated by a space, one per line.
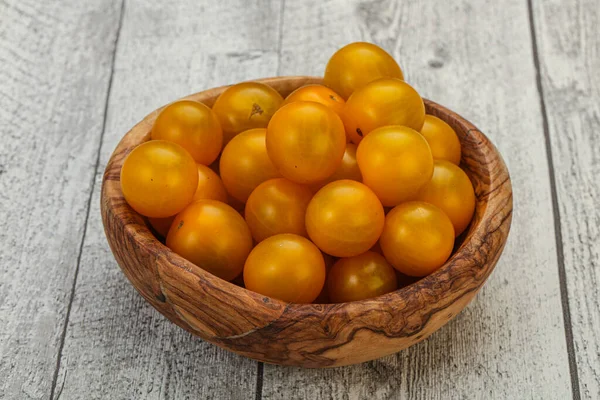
pixel 311 335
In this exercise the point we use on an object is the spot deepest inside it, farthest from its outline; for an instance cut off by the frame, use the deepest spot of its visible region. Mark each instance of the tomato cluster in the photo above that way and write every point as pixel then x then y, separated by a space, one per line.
pixel 338 192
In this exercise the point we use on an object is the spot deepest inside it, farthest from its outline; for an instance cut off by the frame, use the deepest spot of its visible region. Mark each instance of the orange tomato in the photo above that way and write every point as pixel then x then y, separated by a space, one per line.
pixel 245 164
pixel 417 238
pixel 442 139
pixel 244 106
pixel 344 218
pixel 360 277
pixel 348 169
pixel 287 267
pixel 395 162
pixel 277 206
pixel 159 179
pixel 193 126
pixel 323 297
pixel 319 94
pixel 381 103
pixel 161 225
pixel 451 190
pixel 356 64
pixel 213 236
pixel 306 141
pixel 210 185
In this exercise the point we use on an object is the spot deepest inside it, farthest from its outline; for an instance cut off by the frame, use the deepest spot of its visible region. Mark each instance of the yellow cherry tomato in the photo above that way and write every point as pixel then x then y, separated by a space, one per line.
pixel 161 225
pixel 159 179
pixel 360 277
pixel 451 190
pixel 356 64
pixel 287 267
pixel 344 218
pixel 442 139
pixel 210 185
pixel 277 206
pixel 306 141
pixel 245 164
pixel 395 162
pixel 193 126
pixel 348 169
pixel 319 94
pixel 381 103
pixel 417 238
pixel 323 297
pixel 244 106
pixel 213 236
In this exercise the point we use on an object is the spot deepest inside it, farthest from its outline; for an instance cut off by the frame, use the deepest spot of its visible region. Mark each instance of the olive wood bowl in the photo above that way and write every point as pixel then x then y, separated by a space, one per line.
pixel 311 335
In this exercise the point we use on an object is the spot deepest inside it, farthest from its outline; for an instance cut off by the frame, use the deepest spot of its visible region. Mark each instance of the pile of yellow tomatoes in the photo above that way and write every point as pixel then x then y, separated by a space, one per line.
pixel 332 194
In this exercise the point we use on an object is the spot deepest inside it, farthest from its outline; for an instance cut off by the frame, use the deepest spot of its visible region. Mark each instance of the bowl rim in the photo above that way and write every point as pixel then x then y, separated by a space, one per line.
pixel 492 216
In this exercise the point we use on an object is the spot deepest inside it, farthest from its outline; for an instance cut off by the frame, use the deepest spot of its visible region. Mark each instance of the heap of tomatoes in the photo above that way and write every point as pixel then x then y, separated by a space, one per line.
pixel 335 193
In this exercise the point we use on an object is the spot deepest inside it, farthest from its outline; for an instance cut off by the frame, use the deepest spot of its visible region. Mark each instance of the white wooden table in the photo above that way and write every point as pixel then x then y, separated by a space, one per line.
pixel 75 75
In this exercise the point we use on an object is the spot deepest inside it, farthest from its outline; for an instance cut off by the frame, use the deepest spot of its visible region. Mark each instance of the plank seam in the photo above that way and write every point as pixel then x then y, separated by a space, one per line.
pixel 562 276
pixel 89 203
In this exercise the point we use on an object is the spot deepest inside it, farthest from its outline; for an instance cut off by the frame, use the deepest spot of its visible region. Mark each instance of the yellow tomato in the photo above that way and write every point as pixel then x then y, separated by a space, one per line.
pixel 395 162
pixel 417 238
pixel 319 94
pixel 244 106
pixel 356 64
pixel 159 179
pixel 210 185
pixel 193 126
pixel 277 206
pixel 306 141
pixel 245 164
pixel 213 236
pixel 287 267
pixel 442 139
pixel 451 190
pixel 348 169
pixel 381 103
pixel 360 277
pixel 344 218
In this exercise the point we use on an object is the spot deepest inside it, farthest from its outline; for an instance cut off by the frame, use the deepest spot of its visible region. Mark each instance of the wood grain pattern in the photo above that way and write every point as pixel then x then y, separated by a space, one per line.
pixel 311 335
pixel 568 37
pixel 51 117
pixel 476 58
pixel 117 346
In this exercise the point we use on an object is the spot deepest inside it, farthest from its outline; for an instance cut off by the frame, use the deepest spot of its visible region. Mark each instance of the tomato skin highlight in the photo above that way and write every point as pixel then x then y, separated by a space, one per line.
pixel 395 162
pixel 364 276
pixel 442 139
pixel 344 218
pixel 357 64
pixel 451 190
pixel 306 141
pixel 287 267
pixel 277 206
pixel 159 178
pixel 244 106
pixel 417 238
pixel 213 236
pixel 245 164
pixel 381 103
pixel 193 126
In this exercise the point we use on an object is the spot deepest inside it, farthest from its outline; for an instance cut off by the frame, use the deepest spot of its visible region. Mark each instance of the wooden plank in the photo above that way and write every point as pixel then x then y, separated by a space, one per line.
pixel 568 38
pixel 476 58
pixel 55 62
pixel 117 346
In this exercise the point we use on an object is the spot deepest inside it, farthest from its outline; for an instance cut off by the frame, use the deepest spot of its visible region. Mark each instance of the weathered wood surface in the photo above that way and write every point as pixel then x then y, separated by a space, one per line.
pixel 568 41
pixel 474 57
pixel 117 346
pixel 55 64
